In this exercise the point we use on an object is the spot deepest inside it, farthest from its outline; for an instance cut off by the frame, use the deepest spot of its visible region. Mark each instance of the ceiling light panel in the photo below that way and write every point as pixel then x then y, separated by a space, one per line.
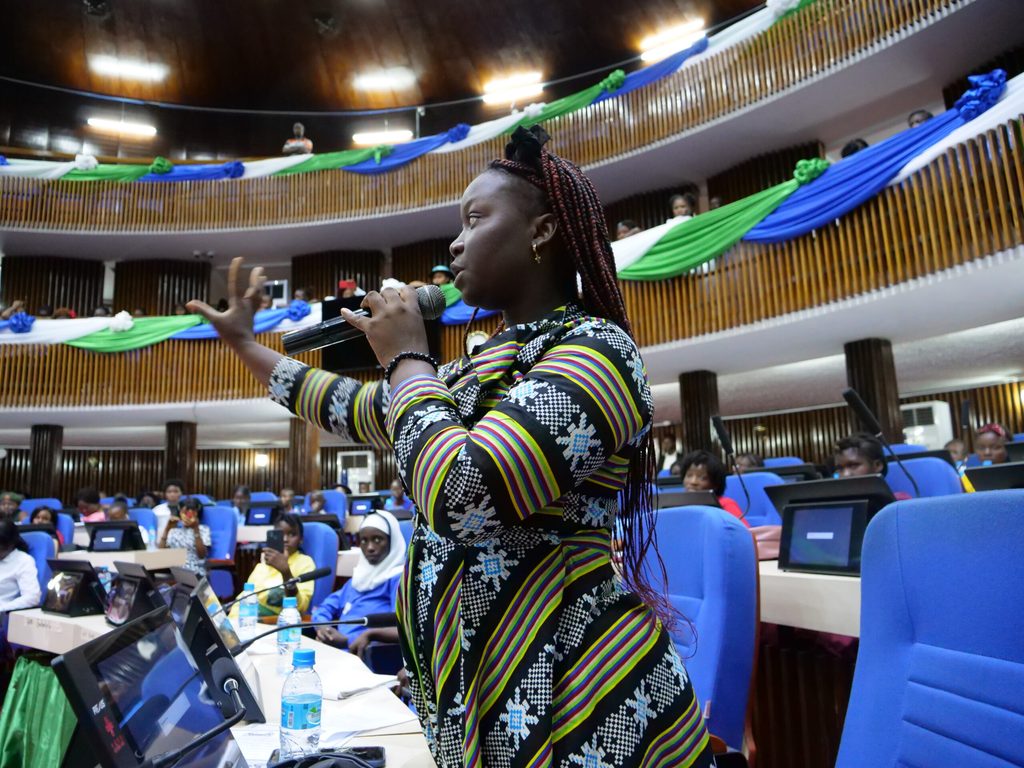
pixel 127 69
pixel 392 79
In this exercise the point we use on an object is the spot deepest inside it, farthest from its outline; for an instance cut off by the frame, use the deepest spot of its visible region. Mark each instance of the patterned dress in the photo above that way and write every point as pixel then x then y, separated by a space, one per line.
pixel 523 646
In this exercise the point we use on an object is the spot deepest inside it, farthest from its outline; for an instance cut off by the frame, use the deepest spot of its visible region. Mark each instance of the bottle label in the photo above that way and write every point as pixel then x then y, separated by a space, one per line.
pixel 300 715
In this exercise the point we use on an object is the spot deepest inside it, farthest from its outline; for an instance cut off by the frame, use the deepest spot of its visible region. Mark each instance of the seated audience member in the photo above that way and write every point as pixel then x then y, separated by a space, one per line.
pixel 919 116
pixel 137 312
pixel 64 313
pixel 347 289
pixel 146 499
pixel 45 311
pixel 676 470
pixel 184 531
pixel 118 510
pixel 343 488
pixel 714 202
pixel 957 450
pixel 266 302
pixel 286 501
pixel 669 453
pixel 298 144
pixel 703 471
pixel 683 206
pixel 276 568
pixel 241 500
pixel 398 499
pixel 46 516
pixel 173 491
pixel 10 506
pixel 626 228
pixel 853 147
pixel 859 455
pixel 101 312
pixel 16 306
pixel 316 503
pixel 88 503
pixel 300 294
pixel 990 444
pixel 748 462
pixel 441 275
pixel 19 579
pixel 373 587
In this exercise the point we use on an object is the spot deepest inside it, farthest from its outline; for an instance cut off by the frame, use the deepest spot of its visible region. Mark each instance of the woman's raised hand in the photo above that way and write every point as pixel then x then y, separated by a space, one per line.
pixel 235 325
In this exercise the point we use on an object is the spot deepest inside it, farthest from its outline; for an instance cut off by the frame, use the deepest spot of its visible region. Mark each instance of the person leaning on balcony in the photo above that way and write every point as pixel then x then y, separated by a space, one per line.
pixel 683 206
pixel 626 228
pixel 919 116
pixel 298 144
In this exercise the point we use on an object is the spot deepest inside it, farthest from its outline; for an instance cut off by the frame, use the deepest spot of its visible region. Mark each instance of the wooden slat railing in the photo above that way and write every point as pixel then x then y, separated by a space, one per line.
pixel 805 45
pixel 969 203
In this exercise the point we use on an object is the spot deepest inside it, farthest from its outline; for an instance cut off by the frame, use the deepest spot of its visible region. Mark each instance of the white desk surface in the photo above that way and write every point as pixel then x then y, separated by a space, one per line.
pixel 352 523
pixel 821 602
pixel 53 632
pixel 154 560
pixel 347 559
pixel 253 533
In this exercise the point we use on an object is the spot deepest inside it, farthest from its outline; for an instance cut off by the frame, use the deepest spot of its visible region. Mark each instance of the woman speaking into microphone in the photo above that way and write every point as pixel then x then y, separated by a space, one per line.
pixel 523 646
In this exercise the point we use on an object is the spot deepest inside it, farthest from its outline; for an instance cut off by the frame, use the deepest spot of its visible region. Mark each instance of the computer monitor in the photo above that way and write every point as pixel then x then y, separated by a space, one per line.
pixel 212 639
pixel 114 536
pixel 669 480
pixel 997 477
pixel 137 694
pixel 261 515
pixel 946 456
pixel 669 499
pixel 74 590
pixel 1015 451
pixel 364 503
pixel 185 582
pixel 795 473
pixel 328 519
pixel 46 528
pixel 132 594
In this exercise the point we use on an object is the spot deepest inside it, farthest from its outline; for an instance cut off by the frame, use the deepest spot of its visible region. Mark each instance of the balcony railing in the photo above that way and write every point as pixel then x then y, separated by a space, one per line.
pixel 805 45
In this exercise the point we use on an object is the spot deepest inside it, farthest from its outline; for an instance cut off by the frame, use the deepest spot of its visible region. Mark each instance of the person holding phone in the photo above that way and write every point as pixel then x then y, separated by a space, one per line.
pixel 185 532
pixel 173 491
pixel 280 561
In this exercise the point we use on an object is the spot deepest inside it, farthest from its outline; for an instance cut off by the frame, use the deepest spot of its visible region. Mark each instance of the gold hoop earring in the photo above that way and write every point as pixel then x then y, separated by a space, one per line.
pixel 536 255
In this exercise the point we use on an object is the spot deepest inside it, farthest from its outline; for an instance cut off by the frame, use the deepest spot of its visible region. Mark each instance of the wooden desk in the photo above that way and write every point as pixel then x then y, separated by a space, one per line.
pixel 153 560
pixel 347 560
pixel 253 533
pixel 810 600
pixel 53 633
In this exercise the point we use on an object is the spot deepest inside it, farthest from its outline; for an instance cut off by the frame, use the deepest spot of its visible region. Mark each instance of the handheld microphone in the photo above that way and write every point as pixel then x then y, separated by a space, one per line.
pixel 370 621
pixel 869 419
pixel 730 456
pixel 338 330
pixel 317 573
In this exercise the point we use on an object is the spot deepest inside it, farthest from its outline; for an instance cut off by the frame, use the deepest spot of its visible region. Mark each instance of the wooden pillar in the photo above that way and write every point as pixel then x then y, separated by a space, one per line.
pixel 180 453
pixel 870 370
pixel 698 396
pixel 303 456
pixel 46 461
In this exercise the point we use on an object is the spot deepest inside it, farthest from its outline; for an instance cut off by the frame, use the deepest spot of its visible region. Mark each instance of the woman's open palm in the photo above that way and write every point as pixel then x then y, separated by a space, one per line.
pixel 235 324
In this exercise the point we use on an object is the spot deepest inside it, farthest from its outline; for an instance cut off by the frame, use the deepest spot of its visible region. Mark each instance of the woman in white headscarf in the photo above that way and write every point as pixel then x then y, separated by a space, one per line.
pixel 373 587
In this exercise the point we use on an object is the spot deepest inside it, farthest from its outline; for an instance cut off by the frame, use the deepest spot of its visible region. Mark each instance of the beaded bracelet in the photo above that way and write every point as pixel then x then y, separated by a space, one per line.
pixel 407 356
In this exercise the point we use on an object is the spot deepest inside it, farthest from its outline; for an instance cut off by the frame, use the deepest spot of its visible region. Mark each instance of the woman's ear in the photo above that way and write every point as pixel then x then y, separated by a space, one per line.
pixel 544 228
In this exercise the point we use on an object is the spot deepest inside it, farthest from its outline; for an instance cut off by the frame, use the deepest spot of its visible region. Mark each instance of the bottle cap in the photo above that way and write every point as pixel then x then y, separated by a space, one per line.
pixel 304 657
pixel 248 587
pixel 291 602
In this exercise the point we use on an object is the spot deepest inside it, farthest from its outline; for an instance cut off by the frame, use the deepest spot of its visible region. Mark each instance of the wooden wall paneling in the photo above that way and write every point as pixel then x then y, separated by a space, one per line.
pixel 647 209
pixel 320 272
pixel 157 285
pixel 54 280
pixel 761 172
pixel 414 260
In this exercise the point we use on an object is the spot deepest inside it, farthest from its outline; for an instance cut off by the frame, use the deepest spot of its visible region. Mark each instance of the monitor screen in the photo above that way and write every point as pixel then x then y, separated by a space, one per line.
pixel 821 536
pixel 121 598
pixel 61 589
pixel 259 516
pixel 219 616
pixel 108 541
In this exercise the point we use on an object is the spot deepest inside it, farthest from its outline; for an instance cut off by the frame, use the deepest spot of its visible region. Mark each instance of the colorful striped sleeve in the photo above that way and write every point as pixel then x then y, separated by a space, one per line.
pixel 575 417
pixel 334 403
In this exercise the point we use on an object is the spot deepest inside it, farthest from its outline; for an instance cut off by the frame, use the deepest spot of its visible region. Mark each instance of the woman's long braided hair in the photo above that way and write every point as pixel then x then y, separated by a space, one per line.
pixel 571 197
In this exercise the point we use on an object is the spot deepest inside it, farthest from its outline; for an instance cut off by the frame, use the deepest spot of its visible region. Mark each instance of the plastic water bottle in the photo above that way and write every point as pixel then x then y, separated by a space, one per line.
pixel 151 531
pixel 301 703
pixel 287 639
pixel 248 612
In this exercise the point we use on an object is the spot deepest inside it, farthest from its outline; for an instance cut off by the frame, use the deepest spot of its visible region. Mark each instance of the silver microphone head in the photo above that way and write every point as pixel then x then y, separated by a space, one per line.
pixel 431 301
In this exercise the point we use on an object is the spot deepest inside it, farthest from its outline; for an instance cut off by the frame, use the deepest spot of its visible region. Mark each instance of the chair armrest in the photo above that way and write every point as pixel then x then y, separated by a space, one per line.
pixel 718 746
pixel 225 563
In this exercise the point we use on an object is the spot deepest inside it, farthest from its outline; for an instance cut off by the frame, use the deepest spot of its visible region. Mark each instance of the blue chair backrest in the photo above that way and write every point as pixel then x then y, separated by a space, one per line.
pixel 783 461
pixel 263 496
pixel 108 500
pixel 1018 437
pixel 972 461
pixel 203 498
pixel 144 517
pixel 223 531
pixel 934 477
pixel 941 662
pixel 66 526
pixel 908 448
pixel 41 546
pixel 335 503
pixel 761 511
pixel 712 581
pixel 31 505
pixel 320 542
pixel 407 527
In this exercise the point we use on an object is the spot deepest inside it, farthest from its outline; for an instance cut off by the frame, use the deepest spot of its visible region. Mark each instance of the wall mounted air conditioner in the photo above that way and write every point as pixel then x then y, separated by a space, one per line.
pixel 929 423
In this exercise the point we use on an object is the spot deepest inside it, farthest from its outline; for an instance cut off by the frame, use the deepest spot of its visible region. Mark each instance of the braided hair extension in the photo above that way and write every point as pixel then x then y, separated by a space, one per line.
pixel 571 197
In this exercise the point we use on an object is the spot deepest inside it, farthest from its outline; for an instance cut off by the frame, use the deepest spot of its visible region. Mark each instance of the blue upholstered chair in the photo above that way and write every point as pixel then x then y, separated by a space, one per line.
pixel 934 477
pixel 783 461
pixel 41 546
pixel 263 497
pixel 711 564
pixel 31 505
pixel 203 499
pixel 407 527
pixel 761 511
pixel 108 500
pixel 320 542
pixel 66 526
pixel 941 663
pixel 335 503
pixel 907 448
pixel 223 537
pixel 144 517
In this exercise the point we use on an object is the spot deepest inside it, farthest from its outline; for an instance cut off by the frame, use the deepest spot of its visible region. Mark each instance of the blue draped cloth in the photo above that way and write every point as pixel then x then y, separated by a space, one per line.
pixel 264 320
pixel 655 72
pixel 406 153
pixel 855 179
pixel 460 313
pixel 231 170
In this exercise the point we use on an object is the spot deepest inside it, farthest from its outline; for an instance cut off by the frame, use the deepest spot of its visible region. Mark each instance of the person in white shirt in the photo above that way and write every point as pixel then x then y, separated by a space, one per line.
pixel 19 579
pixel 173 491
pixel 668 455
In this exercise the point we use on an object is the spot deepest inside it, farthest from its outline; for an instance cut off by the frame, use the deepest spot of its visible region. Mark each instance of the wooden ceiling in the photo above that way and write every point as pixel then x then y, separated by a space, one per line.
pixel 304 54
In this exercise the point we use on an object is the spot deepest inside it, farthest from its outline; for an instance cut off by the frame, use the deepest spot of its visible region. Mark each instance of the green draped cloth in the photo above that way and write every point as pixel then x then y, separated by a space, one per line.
pixel 120 172
pixel 574 101
pixel 146 332
pixel 451 294
pixel 707 236
pixel 36 722
pixel 330 161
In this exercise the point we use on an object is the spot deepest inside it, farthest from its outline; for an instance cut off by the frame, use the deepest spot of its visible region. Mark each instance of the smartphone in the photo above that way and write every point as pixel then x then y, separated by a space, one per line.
pixel 275 539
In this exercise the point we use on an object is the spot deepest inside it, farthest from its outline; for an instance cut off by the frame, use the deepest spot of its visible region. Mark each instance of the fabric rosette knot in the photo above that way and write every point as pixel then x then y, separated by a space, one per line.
pixel 121 322
pixel 808 170
pixel 297 310
pixel 984 92
pixel 458 133
pixel 21 322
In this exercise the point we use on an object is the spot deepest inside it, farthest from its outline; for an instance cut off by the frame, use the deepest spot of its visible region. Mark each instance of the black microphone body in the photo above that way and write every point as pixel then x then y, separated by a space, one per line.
pixel 338 330
pixel 317 573
pixel 869 419
pixel 370 621
pixel 730 456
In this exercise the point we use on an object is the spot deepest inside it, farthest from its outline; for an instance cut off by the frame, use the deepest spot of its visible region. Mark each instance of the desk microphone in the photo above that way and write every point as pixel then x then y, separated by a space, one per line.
pixel 966 431
pixel 168 759
pixel 730 456
pixel 370 621
pixel 317 573
pixel 871 422
pixel 338 330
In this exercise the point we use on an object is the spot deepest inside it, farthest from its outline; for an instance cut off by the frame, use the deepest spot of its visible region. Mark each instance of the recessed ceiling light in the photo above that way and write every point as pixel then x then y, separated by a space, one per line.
pixel 127 69
pixel 512 89
pixel 375 138
pixel 392 79
pixel 121 127
pixel 672 40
